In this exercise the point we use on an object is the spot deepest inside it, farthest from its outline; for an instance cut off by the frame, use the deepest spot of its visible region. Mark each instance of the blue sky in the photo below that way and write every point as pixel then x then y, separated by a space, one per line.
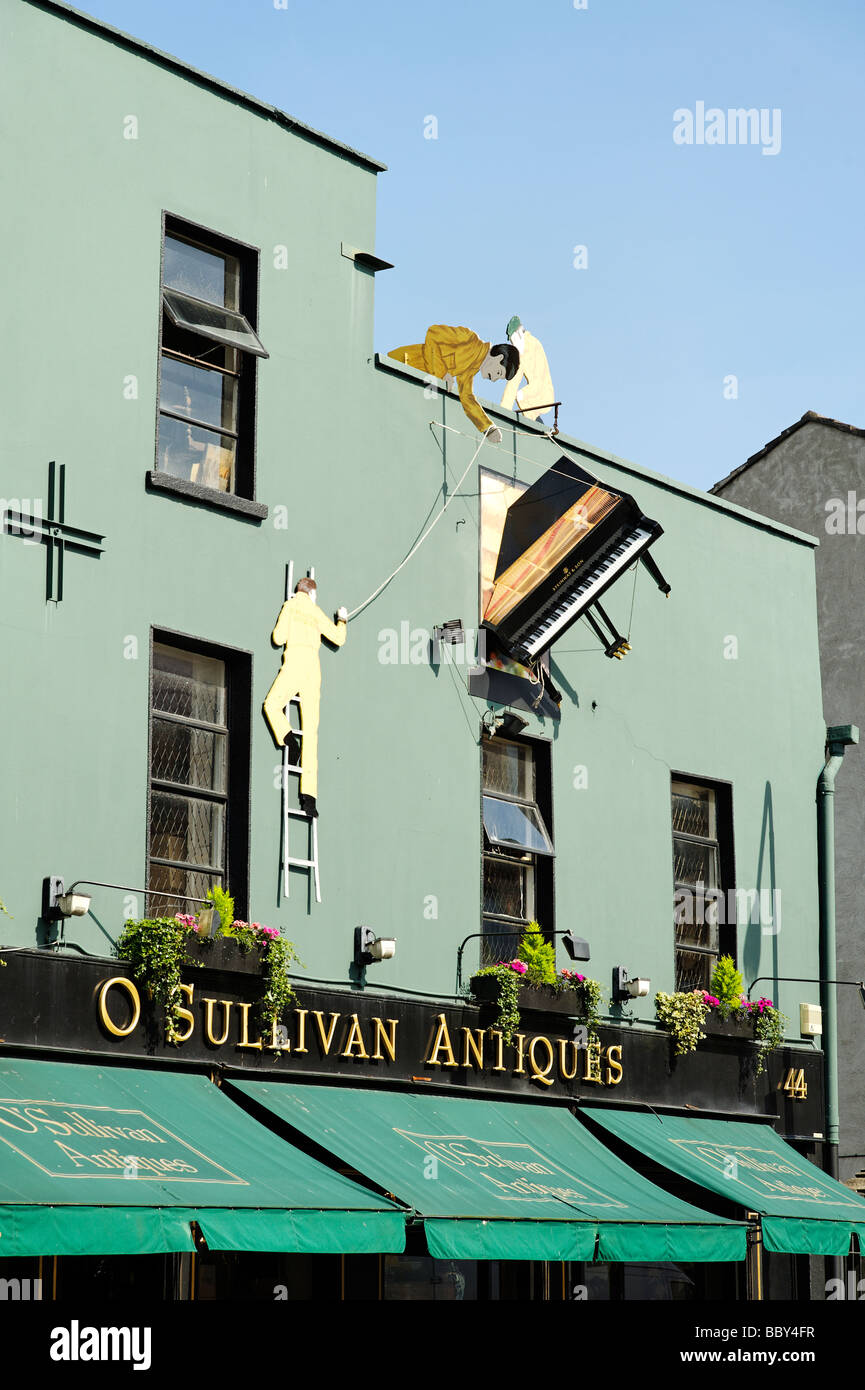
pixel 555 130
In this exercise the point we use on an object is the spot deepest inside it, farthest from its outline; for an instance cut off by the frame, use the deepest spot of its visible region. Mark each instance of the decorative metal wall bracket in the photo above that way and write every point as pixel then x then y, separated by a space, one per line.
pixel 53 531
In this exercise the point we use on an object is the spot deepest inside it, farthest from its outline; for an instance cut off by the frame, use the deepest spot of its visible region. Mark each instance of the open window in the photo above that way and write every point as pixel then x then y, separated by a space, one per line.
pixel 517 844
pixel 208 355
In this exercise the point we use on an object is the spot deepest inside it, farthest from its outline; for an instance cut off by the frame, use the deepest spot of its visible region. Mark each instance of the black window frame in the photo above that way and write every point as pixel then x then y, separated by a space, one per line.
pixel 238 726
pixel 726 887
pixel 242 499
pixel 542 864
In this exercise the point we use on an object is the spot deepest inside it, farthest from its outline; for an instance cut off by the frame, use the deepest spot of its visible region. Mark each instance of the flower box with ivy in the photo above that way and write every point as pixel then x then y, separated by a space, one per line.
pixel 725 1012
pixel 224 952
pixel 530 984
pixel 157 950
pixel 486 987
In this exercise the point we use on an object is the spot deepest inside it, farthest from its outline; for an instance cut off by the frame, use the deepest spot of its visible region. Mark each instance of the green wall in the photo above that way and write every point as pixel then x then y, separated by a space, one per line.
pixel 351 467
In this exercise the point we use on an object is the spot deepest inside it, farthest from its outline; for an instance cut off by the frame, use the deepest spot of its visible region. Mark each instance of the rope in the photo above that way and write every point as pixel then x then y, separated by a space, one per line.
pixel 508 429
pixel 547 434
pixel 416 547
pixel 633 596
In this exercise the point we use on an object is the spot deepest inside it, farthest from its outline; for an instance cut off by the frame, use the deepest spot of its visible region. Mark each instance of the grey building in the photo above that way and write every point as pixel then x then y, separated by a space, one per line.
pixel 812 476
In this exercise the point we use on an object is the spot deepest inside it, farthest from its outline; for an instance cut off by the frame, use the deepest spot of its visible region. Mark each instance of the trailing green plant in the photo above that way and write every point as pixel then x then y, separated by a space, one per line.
pixel 538 956
pixel 155 948
pixel 726 987
pixel 277 956
pixel 684 1014
pixel 510 977
pixel 224 904
pixel 769 1028
pixel 589 993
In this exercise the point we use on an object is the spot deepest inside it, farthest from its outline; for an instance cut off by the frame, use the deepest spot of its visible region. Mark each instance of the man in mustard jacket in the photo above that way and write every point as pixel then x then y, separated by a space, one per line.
pixel 299 629
pixel 456 355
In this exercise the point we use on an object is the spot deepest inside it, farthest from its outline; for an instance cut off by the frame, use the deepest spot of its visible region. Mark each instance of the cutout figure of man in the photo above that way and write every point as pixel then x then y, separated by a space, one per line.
pixel 456 355
pixel 299 629
pixel 538 390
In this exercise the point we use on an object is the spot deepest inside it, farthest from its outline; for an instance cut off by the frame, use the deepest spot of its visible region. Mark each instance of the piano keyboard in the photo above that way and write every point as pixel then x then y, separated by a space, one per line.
pixel 539 636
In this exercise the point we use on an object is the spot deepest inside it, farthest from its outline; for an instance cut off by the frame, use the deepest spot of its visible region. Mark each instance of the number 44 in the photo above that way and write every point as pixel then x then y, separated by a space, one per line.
pixel 795 1084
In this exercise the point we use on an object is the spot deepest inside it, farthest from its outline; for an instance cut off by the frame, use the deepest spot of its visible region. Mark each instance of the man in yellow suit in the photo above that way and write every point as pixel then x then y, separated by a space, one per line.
pixel 538 390
pixel 456 355
pixel 299 629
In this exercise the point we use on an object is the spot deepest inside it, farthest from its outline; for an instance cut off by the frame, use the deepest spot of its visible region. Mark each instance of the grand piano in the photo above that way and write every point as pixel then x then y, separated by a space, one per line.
pixel 565 542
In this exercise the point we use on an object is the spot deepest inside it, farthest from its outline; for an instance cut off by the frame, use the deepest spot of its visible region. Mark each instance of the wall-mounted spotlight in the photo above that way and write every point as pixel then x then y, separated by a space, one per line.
pixel 626 988
pixel 509 724
pixel 576 947
pixel 369 948
pixel 57 903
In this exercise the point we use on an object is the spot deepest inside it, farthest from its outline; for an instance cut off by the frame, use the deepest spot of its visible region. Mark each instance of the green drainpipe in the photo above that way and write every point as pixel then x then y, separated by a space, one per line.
pixel 838 737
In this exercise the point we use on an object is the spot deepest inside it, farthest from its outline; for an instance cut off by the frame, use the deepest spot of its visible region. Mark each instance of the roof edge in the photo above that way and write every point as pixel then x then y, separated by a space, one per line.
pixel 204 79
pixel 809 418
pixel 705 499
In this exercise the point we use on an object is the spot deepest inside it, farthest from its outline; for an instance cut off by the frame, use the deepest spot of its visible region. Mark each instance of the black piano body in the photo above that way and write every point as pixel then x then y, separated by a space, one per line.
pixel 565 541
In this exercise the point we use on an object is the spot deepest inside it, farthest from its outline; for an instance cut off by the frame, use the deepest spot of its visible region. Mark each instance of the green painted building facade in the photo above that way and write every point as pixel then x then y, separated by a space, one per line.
pixel 342 460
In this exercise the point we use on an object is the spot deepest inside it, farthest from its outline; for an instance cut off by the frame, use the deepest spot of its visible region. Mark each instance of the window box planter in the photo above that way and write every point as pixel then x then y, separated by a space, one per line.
pixel 738 1026
pixel 223 953
pixel 537 998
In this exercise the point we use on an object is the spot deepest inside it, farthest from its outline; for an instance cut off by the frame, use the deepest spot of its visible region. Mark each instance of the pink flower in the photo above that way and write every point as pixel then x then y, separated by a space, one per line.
pixel 519 966
pixel 711 1000
pixel 186 921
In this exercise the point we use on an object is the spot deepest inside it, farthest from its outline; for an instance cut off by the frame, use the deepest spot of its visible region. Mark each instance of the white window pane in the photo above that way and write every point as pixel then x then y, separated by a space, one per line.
pixel 513 826
pixel 211 321
pixel 508 768
pixel 203 274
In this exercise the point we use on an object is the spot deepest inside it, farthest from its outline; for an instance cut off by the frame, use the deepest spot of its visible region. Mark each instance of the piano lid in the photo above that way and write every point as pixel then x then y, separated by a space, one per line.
pixel 542 527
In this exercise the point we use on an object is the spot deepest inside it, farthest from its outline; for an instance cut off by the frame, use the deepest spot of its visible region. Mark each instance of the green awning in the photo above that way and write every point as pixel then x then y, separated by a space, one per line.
pixel 804 1211
pixel 500 1180
pixel 111 1161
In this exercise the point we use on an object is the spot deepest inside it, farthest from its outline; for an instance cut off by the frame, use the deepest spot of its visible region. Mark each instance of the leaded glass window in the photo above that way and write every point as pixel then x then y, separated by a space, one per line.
pixel 188 778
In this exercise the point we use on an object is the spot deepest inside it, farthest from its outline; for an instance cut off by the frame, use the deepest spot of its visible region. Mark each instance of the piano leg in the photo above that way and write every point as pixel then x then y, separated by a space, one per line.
pixel 655 572
pixel 614 645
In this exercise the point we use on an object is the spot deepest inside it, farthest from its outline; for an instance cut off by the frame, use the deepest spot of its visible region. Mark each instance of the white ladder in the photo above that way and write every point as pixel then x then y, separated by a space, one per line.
pixel 289 862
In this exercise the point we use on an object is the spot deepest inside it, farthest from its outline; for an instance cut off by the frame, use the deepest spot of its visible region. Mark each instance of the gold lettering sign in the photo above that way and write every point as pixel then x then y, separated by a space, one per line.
pixel 354 1044
pixel 383 1039
pixel 593 1063
pixel 442 1042
pixel 473 1042
pixel 208 1020
pixel 499 1037
pixel 613 1077
pixel 244 1028
pixel 326 1037
pixel 119 982
pixel 564 1044
pixel 534 1056
pixel 541 1073
pixel 187 991
pixel 300 1045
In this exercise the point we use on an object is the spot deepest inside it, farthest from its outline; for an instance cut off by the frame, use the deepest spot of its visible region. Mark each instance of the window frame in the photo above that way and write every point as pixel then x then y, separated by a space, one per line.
pixel 242 499
pixel 538 866
pixel 726 887
pixel 237 799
